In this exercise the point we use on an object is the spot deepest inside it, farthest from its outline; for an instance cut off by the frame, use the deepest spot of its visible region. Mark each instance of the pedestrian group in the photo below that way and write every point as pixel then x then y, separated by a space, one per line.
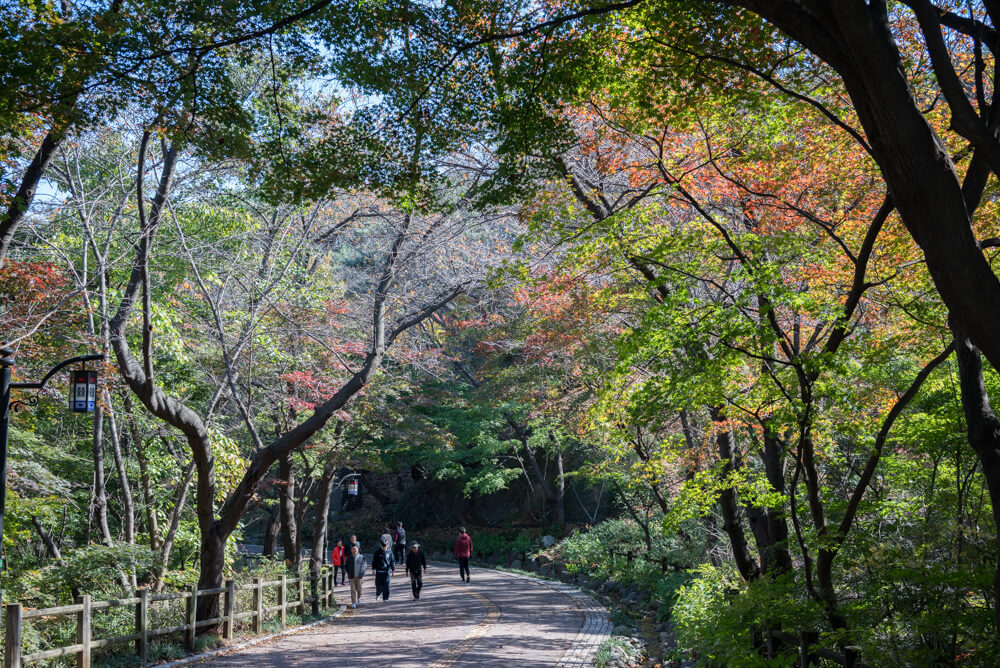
pixel 350 564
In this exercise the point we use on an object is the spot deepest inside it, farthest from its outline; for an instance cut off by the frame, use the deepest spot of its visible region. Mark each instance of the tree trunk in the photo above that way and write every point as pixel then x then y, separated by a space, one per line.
pixel 128 507
pixel 290 536
pixel 270 547
pixel 769 526
pixel 560 490
pixel 22 199
pixel 322 513
pixel 984 437
pixel 728 503
pixel 100 491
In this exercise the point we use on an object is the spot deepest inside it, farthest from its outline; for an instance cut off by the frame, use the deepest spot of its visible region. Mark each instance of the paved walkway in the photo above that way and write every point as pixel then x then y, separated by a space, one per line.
pixel 497 619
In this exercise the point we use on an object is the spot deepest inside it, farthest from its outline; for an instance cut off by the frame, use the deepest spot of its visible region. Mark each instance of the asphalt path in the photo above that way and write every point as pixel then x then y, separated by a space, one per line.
pixel 497 619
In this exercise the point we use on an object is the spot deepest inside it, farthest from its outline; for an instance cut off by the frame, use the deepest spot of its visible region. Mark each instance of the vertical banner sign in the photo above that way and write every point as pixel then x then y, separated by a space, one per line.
pixel 83 391
pixel 352 487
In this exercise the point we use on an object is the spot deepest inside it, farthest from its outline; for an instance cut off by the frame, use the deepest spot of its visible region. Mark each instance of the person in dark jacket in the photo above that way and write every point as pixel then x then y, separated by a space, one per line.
pixel 416 566
pixel 355 568
pixel 338 557
pixel 399 542
pixel 463 552
pixel 350 544
pixel 384 565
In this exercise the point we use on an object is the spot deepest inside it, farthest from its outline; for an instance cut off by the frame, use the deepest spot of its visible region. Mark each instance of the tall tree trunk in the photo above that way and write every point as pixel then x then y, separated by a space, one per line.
pixel 769 526
pixel 290 536
pixel 728 502
pixel 128 507
pixel 984 437
pixel 21 202
pixel 100 491
pixel 270 547
pixel 322 513
pixel 560 490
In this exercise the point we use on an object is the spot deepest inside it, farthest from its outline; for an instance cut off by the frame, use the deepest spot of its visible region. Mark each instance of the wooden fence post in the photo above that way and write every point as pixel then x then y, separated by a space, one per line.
pixel 142 624
pixel 663 565
pixel 302 593
pixel 12 637
pixel 229 609
pixel 192 617
pixel 852 656
pixel 258 606
pixel 283 600
pixel 628 557
pixel 83 632
pixel 806 656
pixel 332 579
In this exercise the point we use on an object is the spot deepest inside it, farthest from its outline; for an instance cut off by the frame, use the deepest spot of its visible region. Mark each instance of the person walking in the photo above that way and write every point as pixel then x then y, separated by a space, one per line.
pixel 351 543
pixel 416 566
pixel 384 565
pixel 355 568
pixel 338 557
pixel 463 552
pixel 386 537
pixel 399 542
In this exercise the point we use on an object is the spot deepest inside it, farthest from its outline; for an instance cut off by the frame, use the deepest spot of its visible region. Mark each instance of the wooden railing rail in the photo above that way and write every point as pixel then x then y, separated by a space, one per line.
pixel 16 615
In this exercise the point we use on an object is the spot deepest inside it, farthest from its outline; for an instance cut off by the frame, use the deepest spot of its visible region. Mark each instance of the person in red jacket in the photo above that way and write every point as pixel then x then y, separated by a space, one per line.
pixel 339 560
pixel 463 552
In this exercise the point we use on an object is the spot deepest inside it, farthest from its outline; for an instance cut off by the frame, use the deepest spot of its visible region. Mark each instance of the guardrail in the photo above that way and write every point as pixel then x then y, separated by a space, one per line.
pixel 16 615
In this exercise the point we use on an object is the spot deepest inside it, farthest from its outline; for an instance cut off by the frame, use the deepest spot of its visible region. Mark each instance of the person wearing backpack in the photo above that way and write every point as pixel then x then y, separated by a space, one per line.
pixel 416 566
pixel 355 571
pixel 384 565
pixel 463 552
pixel 399 542
pixel 338 557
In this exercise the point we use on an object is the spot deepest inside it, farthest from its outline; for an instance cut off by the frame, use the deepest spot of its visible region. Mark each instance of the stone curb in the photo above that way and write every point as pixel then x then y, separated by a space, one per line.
pixel 194 658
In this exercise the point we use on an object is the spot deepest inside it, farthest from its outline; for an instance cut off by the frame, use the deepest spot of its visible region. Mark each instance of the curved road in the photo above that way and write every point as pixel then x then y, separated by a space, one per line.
pixel 497 619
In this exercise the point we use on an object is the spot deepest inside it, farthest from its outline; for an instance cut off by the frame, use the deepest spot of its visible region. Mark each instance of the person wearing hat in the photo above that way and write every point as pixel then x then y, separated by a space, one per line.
pixel 416 566
pixel 383 564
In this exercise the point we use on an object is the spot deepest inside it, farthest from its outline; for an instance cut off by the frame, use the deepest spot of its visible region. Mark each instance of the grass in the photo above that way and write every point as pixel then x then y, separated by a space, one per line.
pixel 614 648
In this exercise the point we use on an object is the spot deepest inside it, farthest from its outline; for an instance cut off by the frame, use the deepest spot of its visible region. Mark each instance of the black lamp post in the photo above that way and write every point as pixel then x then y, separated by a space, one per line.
pixel 326 549
pixel 82 399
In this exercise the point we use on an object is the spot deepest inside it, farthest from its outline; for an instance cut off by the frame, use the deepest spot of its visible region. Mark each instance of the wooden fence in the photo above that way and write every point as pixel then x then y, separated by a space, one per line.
pixel 322 586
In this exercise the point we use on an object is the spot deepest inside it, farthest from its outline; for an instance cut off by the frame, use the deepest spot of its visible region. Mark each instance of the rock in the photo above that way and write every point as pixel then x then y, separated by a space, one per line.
pixel 545 570
pixel 516 564
pixel 548 541
pixel 544 559
pixel 619 630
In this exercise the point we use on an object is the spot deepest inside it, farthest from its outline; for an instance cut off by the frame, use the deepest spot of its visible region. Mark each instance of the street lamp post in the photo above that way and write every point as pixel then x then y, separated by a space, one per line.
pixel 340 482
pixel 82 399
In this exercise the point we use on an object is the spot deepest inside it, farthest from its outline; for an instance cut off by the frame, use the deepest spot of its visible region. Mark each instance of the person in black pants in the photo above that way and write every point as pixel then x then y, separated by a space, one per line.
pixel 383 564
pixel 463 552
pixel 399 542
pixel 416 566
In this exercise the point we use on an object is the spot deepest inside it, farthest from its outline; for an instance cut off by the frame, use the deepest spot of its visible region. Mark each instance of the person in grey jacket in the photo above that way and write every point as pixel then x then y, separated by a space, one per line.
pixel 355 568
